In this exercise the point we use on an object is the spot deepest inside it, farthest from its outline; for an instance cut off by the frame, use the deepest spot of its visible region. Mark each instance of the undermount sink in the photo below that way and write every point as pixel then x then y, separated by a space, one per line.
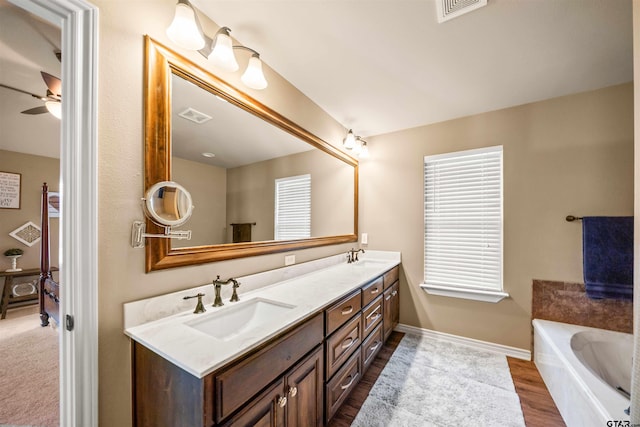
pixel 241 318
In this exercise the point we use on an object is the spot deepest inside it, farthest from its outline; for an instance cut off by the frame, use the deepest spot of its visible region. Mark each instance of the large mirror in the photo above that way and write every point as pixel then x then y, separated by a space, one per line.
pixel 260 183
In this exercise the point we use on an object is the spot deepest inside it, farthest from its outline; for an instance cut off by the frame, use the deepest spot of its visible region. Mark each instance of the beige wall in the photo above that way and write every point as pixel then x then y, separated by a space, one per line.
pixel 35 170
pixel 121 268
pixel 251 193
pixel 207 185
pixel 569 155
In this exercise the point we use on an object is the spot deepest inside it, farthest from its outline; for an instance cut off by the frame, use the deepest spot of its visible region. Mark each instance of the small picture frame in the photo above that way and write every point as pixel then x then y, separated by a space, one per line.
pixel 53 201
pixel 10 190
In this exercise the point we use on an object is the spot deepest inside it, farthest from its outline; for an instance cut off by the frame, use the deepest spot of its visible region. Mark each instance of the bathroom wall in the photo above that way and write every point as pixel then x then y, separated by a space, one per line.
pixel 35 170
pixel 568 155
pixel 207 185
pixel 251 191
pixel 121 159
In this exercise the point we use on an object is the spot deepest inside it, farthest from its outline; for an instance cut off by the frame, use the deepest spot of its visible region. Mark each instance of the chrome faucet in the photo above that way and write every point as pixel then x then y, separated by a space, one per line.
pixel 217 284
pixel 199 306
pixel 352 255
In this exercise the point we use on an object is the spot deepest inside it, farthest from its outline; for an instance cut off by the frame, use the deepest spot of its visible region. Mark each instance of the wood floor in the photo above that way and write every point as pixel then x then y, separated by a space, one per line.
pixel 537 405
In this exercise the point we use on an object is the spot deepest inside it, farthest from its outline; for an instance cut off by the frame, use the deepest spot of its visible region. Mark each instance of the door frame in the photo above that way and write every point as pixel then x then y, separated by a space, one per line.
pixel 78 20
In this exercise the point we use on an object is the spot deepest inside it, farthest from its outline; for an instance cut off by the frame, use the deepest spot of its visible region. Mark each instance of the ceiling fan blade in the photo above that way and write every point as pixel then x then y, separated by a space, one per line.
pixel 22 91
pixel 37 110
pixel 53 83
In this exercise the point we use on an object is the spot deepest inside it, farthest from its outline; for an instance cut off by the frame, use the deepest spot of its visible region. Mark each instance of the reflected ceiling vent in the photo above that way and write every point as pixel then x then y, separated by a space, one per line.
pixel 194 115
pixel 449 9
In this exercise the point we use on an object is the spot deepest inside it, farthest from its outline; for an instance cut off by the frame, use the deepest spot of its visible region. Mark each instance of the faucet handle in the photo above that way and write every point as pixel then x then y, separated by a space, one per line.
pixel 199 306
pixel 234 296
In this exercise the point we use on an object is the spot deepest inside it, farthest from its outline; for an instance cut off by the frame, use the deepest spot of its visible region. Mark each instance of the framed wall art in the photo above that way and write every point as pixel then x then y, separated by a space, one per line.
pixel 10 190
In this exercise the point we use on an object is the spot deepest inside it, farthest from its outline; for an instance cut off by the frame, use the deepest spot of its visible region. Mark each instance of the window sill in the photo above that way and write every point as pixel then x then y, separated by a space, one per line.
pixel 472 294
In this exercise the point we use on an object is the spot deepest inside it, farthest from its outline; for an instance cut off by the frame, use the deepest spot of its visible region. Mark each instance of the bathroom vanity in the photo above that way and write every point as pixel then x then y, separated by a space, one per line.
pixel 314 337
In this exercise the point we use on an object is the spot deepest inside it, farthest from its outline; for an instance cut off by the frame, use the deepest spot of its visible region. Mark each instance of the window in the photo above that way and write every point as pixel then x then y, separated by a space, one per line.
pixel 463 224
pixel 293 207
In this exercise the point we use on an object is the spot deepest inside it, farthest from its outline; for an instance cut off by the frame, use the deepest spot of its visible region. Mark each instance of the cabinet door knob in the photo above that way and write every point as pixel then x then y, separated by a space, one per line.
pixel 282 401
pixel 293 391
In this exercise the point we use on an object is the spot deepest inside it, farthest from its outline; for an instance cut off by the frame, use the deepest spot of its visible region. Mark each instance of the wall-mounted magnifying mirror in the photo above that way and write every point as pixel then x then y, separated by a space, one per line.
pixel 168 204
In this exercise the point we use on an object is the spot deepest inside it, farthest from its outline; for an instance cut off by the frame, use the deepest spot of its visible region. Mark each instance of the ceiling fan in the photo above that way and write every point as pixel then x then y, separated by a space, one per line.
pixel 52 100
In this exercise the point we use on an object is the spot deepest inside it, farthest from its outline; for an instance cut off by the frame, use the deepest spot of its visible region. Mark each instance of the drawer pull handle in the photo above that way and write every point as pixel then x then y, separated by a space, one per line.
pixel 388 297
pixel 377 314
pixel 347 385
pixel 282 401
pixel 347 343
pixel 293 391
pixel 347 310
pixel 375 346
pixel 375 291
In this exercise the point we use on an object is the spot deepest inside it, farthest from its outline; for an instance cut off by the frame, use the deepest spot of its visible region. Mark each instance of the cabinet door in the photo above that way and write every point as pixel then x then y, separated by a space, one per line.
pixel 387 314
pixel 266 410
pixel 305 398
pixel 395 305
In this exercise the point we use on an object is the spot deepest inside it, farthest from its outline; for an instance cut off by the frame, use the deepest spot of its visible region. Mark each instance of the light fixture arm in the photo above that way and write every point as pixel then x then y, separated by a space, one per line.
pixel 253 52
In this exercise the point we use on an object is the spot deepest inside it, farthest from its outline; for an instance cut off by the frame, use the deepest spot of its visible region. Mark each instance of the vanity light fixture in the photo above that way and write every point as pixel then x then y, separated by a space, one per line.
pixel 185 31
pixel 185 28
pixel 357 144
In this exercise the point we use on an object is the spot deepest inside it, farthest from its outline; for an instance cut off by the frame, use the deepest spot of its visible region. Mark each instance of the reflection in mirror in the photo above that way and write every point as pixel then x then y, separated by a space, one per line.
pixel 233 161
pixel 188 112
pixel 168 203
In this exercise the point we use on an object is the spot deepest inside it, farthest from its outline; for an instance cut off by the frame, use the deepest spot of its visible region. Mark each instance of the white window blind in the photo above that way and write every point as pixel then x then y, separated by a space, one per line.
pixel 463 220
pixel 293 207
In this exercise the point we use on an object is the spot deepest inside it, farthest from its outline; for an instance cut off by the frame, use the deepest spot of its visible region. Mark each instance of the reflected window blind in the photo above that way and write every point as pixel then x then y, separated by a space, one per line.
pixel 463 219
pixel 293 207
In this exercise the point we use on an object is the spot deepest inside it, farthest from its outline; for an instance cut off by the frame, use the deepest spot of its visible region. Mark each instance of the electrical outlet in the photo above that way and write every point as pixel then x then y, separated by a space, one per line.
pixel 364 239
pixel 289 260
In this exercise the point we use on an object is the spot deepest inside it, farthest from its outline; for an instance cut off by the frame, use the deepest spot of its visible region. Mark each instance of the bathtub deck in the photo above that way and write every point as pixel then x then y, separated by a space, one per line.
pixel 537 405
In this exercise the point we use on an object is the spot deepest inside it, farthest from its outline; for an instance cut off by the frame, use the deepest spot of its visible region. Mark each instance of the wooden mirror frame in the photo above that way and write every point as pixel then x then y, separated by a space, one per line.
pixel 160 64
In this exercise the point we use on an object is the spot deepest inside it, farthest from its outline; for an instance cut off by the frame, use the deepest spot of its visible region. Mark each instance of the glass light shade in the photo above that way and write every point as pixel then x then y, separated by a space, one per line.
pixel 357 149
pixel 184 30
pixel 349 141
pixel 253 76
pixel 364 151
pixel 55 108
pixel 222 54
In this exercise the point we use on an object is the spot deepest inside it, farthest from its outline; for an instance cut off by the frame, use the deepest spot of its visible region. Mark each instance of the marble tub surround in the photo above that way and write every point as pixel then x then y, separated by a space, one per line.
pixel 307 288
pixel 568 303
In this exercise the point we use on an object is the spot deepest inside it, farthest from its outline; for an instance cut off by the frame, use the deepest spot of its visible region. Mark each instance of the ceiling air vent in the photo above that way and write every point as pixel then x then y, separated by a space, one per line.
pixel 449 9
pixel 194 115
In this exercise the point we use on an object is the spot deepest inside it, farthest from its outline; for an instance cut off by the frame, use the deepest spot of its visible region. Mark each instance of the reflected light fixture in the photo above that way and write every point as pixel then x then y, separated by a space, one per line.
pixel 356 144
pixel 185 31
pixel 185 28
pixel 55 108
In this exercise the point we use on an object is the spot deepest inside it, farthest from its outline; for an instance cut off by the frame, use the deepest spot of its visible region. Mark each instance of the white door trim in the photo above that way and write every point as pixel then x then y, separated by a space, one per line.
pixel 78 20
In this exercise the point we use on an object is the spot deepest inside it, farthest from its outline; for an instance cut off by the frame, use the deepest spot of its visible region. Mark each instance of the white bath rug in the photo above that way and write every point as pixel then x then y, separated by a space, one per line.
pixel 435 383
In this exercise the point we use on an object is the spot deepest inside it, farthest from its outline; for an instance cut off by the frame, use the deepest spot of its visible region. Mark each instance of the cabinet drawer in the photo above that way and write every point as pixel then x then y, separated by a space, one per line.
pixel 371 346
pixel 391 276
pixel 342 344
pixel 372 291
pixel 372 316
pixel 342 311
pixel 236 385
pixel 341 385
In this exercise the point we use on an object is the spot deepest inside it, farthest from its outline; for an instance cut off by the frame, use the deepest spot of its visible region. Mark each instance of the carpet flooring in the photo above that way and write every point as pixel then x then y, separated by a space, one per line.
pixel 29 377
pixel 436 383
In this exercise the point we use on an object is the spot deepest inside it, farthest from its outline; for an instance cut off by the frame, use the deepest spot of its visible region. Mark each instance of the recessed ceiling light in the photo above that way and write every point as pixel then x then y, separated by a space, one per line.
pixel 208 154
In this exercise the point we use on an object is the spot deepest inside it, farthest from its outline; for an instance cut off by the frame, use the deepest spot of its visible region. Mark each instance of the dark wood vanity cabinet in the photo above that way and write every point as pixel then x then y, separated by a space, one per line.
pixel 297 379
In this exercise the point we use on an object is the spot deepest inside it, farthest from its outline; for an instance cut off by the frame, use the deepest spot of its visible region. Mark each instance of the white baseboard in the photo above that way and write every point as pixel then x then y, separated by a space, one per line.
pixel 505 350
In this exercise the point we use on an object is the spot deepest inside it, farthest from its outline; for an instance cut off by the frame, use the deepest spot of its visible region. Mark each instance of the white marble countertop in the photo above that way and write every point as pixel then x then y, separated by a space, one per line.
pixel 200 353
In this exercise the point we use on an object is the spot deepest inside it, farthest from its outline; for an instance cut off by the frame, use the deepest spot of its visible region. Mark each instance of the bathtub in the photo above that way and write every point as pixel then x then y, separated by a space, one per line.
pixel 582 367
